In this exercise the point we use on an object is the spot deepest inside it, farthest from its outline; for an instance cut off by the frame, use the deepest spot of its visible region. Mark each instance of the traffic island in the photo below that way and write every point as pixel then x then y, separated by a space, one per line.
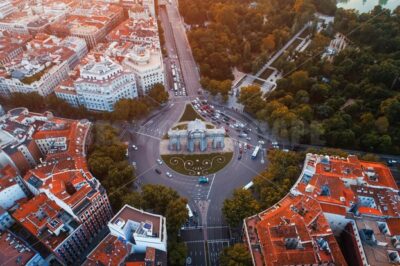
pixel 196 148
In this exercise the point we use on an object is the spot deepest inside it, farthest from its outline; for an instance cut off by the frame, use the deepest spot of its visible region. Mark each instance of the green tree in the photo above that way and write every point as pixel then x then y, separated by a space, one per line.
pixel 300 80
pixel 241 205
pixel 122 110
pixel 382 124
pixel 158 93
pixel 157 197
pixel 269 43
pixel 236 255
pixel 176 253
pixel 251 98
pixel 176 214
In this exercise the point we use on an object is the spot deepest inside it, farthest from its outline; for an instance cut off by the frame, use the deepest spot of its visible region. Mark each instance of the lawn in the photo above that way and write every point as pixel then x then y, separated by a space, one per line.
pixel 294 45
pixel 197 164
pixel 305 33
pixel 258 82
pixel 190 114
pixel 268 72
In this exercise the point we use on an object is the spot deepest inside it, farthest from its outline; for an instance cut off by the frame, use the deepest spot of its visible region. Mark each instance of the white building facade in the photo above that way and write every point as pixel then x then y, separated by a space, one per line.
pixel 100 86
pixel 148 67
pixel 141 229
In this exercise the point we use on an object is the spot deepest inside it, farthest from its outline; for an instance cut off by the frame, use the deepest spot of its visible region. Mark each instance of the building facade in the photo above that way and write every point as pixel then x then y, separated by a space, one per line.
pixel 135 236
pixel 100 85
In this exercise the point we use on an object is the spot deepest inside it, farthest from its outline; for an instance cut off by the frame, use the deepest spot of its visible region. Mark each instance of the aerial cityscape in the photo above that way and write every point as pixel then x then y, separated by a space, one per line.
pixel 199 132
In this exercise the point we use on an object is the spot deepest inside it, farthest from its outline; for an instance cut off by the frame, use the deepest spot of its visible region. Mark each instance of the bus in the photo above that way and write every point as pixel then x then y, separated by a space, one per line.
pixel 248 186
pixel 190 213
pixel 175 86
pixel 255 152
pixel 127 149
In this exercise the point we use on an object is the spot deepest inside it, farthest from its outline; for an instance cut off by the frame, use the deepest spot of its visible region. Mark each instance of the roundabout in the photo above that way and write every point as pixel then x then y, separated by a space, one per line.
pixel 197 164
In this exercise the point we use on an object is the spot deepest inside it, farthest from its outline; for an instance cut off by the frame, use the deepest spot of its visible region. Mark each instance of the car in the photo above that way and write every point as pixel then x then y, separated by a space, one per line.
pixel 248 138
pixel 240 157
pixel 159 161
pixel 134 147
pixel 275 145
pixel 168 174
pixel 158 171
pixel 242 135
pixel 203 180
pixel 391 162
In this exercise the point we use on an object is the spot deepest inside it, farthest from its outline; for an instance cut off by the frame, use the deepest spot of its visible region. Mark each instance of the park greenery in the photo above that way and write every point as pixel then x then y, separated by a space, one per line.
pixel 107 161
pixel 189 114
pixel 242 33
pixel 270 186
pixel 124 109
pixel 352 101
pixel 241 205
pixel 236 255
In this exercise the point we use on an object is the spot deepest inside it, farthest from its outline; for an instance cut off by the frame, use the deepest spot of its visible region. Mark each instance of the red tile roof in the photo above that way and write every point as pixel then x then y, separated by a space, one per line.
pixel 301 218
pixel 334 185
pixel 38 216
pixel 110 251
pixel 10 255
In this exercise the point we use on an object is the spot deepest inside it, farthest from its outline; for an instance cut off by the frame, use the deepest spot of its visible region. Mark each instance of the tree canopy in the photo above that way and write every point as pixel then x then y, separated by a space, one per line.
pixel 236 255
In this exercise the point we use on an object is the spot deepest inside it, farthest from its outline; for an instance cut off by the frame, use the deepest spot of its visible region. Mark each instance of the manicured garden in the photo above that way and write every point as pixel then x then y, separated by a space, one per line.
pixel 197 164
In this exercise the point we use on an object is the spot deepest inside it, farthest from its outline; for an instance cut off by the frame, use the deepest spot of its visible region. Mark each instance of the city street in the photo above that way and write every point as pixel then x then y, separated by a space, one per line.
pixel 209 234
pixel 205 199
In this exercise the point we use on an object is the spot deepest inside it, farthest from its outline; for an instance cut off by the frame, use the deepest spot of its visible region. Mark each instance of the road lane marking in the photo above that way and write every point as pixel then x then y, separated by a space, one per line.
pixel 212 182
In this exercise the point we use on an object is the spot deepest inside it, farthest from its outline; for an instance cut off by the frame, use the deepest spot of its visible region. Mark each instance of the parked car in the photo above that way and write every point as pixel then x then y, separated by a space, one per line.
pixel 168 174
pixel 159 161
pixel 391 162
pixel 134 147
pixel 158 171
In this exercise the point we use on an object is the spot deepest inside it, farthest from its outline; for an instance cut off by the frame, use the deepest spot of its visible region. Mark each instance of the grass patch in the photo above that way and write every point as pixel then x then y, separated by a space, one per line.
pixel 258 82
pixel 180 127
pixel 294 44
pixel 197 164
pixel 268 72
pixel 190 114
pixel 305 33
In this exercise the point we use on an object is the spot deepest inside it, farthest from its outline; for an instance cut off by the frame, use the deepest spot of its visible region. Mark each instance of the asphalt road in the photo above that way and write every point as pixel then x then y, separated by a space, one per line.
pixel 206 239
pixel 183 51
